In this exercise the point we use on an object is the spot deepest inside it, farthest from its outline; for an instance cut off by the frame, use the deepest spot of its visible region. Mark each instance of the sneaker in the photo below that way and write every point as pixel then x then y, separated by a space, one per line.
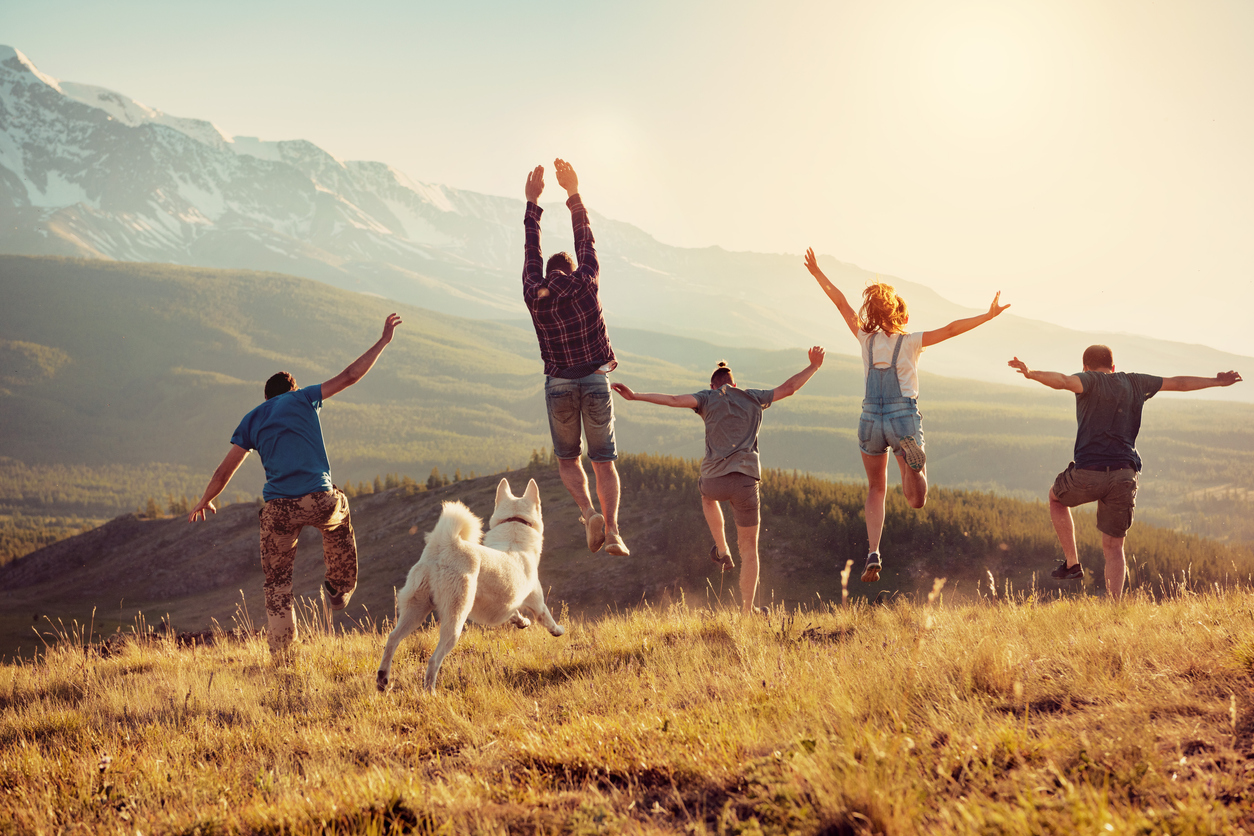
pixel 913 453
pixel 1067 573
pixel 614 544
pixel 595 528
pixel 871 573
pixel 335 600
pixel 724 560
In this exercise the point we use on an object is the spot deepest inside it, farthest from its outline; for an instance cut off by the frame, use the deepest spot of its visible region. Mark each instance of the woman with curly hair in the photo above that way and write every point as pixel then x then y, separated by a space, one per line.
pixel 890 412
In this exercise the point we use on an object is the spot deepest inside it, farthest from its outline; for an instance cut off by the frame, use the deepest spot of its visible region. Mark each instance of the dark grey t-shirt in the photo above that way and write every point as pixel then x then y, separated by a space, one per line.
pixel 1109 415
pixel 732 419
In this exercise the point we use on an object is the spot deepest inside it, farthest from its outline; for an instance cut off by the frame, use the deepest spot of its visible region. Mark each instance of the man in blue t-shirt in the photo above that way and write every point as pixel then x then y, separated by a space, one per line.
pixel 731 469
pixel 1107 467
pixel 287 434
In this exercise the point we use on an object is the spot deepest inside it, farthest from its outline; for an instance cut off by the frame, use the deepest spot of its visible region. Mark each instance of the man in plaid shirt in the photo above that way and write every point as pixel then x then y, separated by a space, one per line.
pixel 566 312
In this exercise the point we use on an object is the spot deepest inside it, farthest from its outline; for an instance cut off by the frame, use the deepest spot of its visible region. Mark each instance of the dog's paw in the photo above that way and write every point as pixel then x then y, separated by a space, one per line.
pixel 520 621
pixel 381 681
pixel 558 630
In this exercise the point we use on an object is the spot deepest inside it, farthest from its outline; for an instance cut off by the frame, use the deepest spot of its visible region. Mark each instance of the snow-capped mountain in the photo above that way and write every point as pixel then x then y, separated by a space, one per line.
pixel 89 172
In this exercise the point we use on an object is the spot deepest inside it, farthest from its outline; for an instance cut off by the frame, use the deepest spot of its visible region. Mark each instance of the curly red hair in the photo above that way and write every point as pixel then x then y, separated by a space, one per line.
pixel 882 309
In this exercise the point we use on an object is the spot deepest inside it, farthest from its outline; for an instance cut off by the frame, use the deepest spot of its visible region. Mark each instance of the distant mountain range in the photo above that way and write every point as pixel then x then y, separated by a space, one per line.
pixel 89 172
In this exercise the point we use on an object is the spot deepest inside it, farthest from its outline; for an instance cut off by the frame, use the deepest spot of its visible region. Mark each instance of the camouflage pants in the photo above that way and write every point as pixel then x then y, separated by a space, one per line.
pixel 281 522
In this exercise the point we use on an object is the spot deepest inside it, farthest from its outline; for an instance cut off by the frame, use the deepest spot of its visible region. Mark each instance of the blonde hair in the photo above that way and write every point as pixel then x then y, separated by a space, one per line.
pixel 882 309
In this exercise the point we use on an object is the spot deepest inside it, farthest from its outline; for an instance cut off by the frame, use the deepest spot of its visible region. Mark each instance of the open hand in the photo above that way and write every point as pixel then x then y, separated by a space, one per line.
pixel 812 264
pixel 566 177
pixel 816 356
pixel 389 326
pixel 621 388
pixel 198 513
pixel 1019 366
pixel 994 309
pixel 535 184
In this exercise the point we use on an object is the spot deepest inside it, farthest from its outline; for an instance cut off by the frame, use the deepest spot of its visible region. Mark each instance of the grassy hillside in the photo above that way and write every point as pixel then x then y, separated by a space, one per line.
pixel 985 545
pixel 120 382
pixel 1020 716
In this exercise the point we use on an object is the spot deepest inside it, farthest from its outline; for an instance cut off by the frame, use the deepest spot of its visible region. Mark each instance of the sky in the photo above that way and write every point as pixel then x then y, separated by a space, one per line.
pixel 1090 160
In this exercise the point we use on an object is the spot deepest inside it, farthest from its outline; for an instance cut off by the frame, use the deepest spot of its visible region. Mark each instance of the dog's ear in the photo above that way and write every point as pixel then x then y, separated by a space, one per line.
pixel 533 491
pixel 503 491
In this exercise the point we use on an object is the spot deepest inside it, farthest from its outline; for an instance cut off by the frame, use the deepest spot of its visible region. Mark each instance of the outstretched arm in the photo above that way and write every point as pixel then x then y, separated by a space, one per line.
pixel 961 326
pixel 357 369
pixel 1184 383
pixel 682 401
pixel 833 292
pixel 218 482
pixel 792 384
pixel 1054 380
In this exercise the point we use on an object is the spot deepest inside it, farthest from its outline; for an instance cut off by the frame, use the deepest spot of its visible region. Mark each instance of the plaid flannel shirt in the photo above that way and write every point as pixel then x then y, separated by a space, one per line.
pixel 568 319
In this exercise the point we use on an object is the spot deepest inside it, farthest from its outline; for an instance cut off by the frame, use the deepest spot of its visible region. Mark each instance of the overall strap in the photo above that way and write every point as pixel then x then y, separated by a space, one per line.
pixel 896 350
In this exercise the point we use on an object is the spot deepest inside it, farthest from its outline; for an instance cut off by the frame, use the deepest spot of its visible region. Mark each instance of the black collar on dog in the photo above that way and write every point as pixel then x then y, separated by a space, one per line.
pixel 515 519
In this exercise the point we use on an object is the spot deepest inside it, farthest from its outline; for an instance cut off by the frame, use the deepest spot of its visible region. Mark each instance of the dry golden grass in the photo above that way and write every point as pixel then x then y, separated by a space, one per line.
pixel 1022 716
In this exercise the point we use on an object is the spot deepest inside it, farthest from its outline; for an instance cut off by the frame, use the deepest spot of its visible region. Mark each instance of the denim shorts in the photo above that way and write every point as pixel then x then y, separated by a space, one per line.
pixel 882 427
pixel 582 404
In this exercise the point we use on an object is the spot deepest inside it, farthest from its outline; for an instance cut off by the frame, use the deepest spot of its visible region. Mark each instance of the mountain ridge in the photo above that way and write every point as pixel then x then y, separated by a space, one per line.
pixel 87 172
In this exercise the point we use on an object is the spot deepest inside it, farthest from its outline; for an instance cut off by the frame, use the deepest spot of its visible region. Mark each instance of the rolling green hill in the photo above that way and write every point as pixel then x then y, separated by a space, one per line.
pixel 120 382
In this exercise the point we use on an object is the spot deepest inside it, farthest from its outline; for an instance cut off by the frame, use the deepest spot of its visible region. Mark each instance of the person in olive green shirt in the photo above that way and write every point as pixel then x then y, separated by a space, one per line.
pixel 731 469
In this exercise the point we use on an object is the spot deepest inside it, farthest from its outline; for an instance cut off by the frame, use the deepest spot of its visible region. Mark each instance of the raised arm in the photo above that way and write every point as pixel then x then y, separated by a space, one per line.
pixel 961 326
pixel 833 292
pixel 682 401
pixel 533 255
pixel 357 369
pixel 218 482
pixel 792 384
pixel 1054 380
pixel 1184 383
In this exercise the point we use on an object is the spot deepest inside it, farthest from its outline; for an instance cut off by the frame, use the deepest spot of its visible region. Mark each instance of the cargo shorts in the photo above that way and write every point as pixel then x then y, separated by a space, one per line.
pixel 1113 490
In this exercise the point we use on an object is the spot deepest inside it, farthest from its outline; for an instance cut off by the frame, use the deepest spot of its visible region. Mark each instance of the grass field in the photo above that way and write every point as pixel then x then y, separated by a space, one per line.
pixel 1027 715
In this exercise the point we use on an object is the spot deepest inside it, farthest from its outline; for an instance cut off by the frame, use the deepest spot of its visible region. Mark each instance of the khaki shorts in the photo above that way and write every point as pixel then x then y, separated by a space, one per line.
pixel 739 489
pixel 1114 491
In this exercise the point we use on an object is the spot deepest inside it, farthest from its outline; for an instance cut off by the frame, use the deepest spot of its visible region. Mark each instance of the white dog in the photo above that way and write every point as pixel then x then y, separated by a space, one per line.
pixel 459 577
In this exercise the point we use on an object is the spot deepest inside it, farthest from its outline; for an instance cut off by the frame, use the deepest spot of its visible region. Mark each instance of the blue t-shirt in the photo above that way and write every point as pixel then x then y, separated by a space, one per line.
pixel 1109 414
pixel 287 434
pixel 732 418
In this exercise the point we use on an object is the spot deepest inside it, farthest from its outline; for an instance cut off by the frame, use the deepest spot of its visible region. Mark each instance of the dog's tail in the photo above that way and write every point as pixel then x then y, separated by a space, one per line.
pixel 457 522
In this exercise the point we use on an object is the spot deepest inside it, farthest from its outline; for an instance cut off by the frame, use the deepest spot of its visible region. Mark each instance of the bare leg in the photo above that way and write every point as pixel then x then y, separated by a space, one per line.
pixel 877 484
pixel 747 540
pixel 1116 565
pixel 718 527
pixel 913 483
pixel 576 481
pixel 1064 526
pixel 608 491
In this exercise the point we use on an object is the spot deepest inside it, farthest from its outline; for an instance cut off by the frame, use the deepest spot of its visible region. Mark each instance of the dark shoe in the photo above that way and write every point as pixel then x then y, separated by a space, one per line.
pixel 724 560
pixel 335 600
pixel 913 453
pixel 1067 573
pixel 871 573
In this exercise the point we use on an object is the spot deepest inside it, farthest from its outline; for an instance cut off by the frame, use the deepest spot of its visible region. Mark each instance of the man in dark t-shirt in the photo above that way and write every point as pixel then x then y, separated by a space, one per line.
pixel 1106 467
pixel 287 434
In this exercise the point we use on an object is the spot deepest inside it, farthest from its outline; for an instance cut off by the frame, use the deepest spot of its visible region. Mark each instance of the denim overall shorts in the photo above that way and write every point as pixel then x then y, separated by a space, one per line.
pixel 887 417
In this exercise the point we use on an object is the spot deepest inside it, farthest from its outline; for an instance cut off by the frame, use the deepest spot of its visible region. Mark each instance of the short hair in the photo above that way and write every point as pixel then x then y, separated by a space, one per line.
pixel 883 309
pixel 1098 357
pixel 722 375
pixel 561 262
pixel 279 383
